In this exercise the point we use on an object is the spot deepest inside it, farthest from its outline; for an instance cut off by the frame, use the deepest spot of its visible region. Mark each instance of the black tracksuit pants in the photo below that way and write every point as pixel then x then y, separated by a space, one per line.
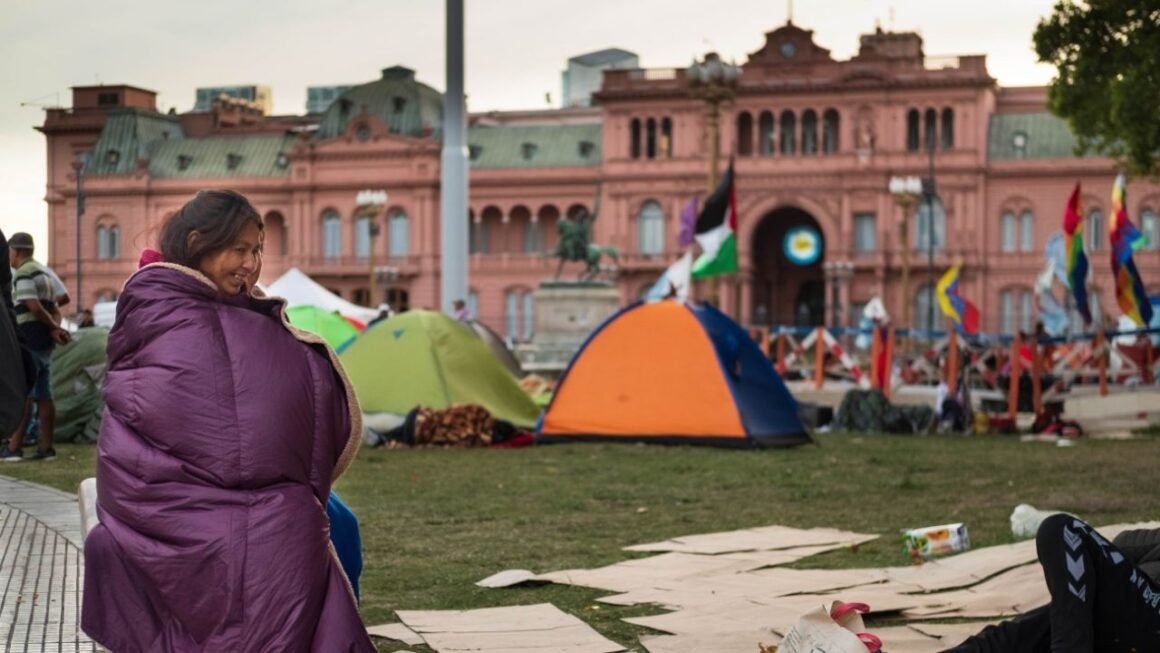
pixel 1099 600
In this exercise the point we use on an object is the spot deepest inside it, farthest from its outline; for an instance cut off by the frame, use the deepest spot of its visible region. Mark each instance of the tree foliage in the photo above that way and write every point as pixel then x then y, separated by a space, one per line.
pixel 1107 57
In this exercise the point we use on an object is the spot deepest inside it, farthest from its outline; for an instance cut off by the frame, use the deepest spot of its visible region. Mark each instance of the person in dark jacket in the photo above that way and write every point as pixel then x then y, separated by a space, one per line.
pixel 14 384
pixel 1105 596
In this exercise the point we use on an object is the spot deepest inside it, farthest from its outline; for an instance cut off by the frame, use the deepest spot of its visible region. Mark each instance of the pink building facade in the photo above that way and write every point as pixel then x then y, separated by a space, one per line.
pixel 815 142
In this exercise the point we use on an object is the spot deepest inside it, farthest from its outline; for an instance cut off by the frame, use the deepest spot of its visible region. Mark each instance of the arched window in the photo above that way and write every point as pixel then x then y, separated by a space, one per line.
pixel 765 133
pixel 948 129
pixel 930 233
pixel 788 126
pixel 331 234
pixel 930 129
pixel 666 138
pixel 830 125
pixel 102 242
pixel 398 236
pixel 634 129
pixel 744 134
pixel 533 236
pixel 529 315
pixel 114 242
pixel 1026 232
pixel 1026 311
pixel 1150 227
pixel 809 132
pixel 651 139
pixel 362 235
pixel 652 229
pixel 923 317
pixel 912 130
pixel 1007 232
pixel 1095 229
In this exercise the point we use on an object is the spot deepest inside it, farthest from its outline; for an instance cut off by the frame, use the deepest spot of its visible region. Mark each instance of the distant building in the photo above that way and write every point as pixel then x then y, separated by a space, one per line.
pixel 319 98
pixel 258 95
pixel 815 142
pixel 582 78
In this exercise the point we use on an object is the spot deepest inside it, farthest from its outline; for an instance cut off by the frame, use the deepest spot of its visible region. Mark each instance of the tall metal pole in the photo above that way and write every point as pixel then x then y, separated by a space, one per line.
pixel 79 166
pixel 713 118
pixel 928 191
pixel 454 186
pixel 904 244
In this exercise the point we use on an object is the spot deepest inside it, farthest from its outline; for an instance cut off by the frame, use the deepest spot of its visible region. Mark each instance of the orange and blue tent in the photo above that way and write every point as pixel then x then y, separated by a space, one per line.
pixel 671 372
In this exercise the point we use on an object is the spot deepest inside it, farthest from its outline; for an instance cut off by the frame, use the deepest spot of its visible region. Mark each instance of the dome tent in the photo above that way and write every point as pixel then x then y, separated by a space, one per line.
pixel 672 373
pixel 426 358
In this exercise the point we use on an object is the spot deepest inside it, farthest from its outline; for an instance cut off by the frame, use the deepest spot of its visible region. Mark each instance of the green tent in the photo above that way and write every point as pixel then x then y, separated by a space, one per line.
pixel 425 358
pixel 333 328
pixel 78 371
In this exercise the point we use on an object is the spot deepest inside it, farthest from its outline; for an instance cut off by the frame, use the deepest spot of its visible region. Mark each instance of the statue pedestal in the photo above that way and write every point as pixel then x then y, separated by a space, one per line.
pixel 566 314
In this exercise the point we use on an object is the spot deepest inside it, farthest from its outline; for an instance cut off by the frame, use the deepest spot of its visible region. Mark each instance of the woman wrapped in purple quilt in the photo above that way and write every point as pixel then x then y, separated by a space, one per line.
pixel 224 430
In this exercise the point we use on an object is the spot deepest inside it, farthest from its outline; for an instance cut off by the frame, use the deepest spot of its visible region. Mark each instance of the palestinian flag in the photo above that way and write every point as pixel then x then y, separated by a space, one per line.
pixel 716 231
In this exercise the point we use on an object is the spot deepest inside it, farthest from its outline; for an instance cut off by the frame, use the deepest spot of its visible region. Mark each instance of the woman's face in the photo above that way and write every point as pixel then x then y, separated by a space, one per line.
pixel 237 266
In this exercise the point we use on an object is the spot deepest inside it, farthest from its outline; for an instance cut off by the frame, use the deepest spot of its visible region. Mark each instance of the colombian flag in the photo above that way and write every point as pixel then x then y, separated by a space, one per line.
pixel 1077 262
pixel 1125 240
pixel 964 313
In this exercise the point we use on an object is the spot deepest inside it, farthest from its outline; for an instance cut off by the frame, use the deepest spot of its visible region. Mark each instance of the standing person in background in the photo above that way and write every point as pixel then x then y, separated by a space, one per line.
pixel 14 384
pixel 34 296
pixel 223 431
pixel 459 311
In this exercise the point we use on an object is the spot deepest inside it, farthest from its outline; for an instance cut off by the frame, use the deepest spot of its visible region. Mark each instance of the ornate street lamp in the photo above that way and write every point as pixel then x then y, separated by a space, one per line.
pixel 371 203
pixel 905 191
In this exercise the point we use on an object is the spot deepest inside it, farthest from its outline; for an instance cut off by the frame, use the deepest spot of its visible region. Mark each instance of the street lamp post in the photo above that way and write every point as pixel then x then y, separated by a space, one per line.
pixel 371 203
pixel 78 167
pixel 905 191
pixel 713 81
pixel 928 195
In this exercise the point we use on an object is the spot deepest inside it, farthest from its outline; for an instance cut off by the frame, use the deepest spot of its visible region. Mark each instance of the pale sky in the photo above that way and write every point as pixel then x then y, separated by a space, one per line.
pixel 516 50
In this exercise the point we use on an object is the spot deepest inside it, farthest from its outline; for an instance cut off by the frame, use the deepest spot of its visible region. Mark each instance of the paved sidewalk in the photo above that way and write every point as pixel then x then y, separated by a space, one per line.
pixel 41 570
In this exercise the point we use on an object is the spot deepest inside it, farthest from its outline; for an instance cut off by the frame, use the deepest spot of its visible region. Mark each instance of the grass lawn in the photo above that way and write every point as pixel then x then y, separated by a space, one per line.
pixel 436 521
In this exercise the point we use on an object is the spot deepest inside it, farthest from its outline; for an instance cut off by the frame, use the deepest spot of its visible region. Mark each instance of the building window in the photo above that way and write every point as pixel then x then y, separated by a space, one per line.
pixel 1007 232
pixel 912 130
pixel 865 232
pixel 666 138
pixel 398 234
pixel 948 129
pixel 1150 227
pixel 107 99
pixel 473 304
pixel 511 314
pixel 788 126
pixel 362 236
pixel 108 242
pixel 650 141
pixel 1095 229
pixel 744 134
pixel 809 132
pixel 1019 144
pixel 331 234
pixel 830 126
pixel 923 317
pixel 765 133
pixel 478 237
pixel 529 316
pixel 930 128
pixel 1026 311
pixel 634 129
pixel 533 237
pixel 398 299
pixel 927 234
pixel 652 229
pixel 1007 311
pixel 361 296
pixel 1026 232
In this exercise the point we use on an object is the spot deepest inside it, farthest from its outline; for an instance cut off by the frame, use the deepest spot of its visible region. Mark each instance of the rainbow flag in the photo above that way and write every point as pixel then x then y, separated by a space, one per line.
pixel 1130 294
pixel 953 305
pixel 1074 256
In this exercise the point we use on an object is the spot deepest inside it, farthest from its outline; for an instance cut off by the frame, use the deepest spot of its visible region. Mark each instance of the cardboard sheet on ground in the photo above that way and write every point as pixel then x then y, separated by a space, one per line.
pixel 765 538
pixel 515 629
pixel 397 632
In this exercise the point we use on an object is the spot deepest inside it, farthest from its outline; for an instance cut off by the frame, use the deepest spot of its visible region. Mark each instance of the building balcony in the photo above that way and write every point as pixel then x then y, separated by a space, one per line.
pixel 405 266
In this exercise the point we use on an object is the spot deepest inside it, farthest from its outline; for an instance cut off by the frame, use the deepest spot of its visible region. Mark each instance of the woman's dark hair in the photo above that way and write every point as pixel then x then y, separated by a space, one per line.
pixel 218 217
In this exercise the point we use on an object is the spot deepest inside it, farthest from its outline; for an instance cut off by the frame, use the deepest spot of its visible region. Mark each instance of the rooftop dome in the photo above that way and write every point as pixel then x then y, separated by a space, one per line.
pixel 406 106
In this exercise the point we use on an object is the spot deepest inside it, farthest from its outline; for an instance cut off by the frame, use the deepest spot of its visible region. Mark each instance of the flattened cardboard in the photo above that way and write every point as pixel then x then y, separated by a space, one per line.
pixel 540 628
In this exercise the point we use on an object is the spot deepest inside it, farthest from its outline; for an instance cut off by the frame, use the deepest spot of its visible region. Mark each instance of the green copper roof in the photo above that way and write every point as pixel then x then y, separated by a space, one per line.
pixel 126 137
pixel 1014 136
pixel 406 106
pixel 535 146
pixel 253 155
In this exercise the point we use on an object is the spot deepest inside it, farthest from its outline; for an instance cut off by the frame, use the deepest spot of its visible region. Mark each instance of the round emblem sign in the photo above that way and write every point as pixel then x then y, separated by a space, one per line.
pixel 803 245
